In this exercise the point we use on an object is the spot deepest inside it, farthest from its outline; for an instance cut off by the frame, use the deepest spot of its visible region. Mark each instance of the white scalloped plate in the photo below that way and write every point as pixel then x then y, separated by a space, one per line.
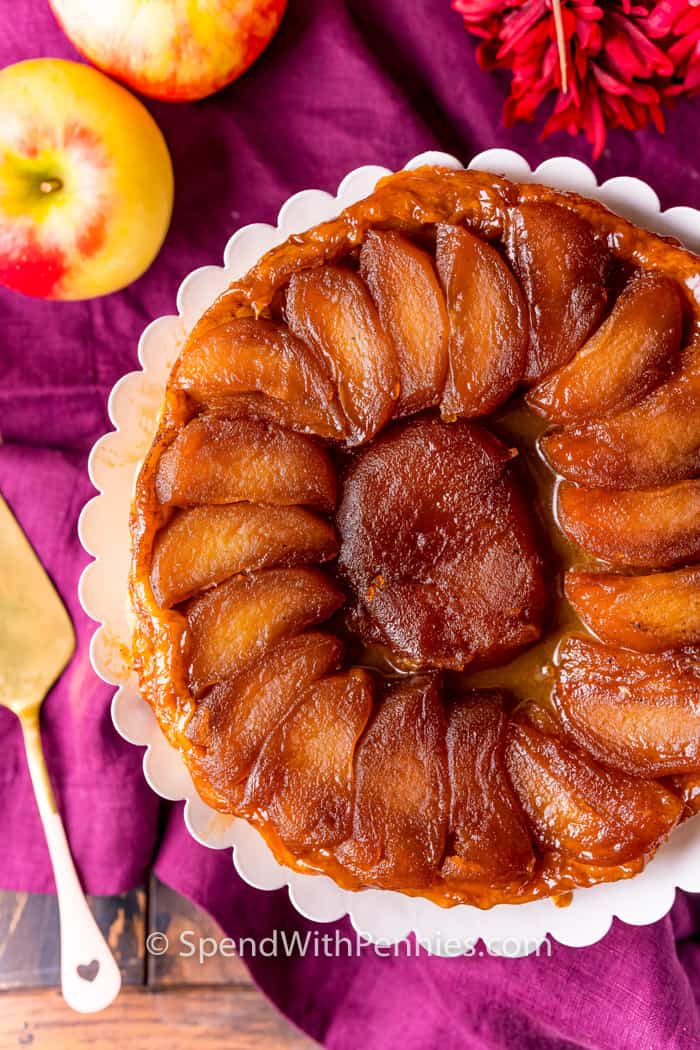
pixel 103 528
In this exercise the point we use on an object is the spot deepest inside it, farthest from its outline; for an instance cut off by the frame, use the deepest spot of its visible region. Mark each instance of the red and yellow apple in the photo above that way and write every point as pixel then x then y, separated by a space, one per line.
pixel 176 50
pixel 86 183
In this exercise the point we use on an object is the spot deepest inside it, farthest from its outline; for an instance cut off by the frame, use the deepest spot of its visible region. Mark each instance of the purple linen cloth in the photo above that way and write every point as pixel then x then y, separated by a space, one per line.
pixel 343 84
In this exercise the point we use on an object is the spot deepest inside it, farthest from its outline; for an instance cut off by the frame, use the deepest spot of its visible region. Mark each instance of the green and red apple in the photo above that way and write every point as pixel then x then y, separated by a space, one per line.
pixel 176 50
pixel 86 182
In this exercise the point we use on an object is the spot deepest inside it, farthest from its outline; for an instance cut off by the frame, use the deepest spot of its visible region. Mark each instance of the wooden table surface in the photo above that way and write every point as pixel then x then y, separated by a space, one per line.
pixel 167 1002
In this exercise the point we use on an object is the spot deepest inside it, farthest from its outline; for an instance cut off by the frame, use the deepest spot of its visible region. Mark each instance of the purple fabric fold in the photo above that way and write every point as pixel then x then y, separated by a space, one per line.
pixel 343 84
pixel 636 988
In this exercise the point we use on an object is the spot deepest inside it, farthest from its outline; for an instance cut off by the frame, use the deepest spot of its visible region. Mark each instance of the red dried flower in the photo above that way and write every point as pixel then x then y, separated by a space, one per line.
pixel 620 59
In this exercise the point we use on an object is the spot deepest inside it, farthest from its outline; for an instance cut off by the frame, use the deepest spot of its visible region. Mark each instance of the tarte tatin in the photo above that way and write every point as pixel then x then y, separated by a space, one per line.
pixel 416 549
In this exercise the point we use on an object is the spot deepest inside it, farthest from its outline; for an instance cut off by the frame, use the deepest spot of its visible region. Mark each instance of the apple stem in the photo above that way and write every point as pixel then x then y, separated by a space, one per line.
pixel 50 185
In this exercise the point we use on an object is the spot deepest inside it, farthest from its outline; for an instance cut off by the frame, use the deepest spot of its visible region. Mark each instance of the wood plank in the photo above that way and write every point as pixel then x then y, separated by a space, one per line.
pixel 186 926
pixel 200 1018
pixel 29 946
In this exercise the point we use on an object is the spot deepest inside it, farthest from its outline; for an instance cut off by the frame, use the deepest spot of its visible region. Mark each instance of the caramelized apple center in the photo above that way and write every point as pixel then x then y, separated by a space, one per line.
pixel 426 541
pixel 437 548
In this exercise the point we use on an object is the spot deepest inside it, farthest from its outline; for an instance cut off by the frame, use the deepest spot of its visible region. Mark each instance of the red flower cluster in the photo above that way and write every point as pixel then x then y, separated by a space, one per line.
pixel 623 59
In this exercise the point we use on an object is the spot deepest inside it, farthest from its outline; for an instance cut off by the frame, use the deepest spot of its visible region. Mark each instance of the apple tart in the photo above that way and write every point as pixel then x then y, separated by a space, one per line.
pixel 416 549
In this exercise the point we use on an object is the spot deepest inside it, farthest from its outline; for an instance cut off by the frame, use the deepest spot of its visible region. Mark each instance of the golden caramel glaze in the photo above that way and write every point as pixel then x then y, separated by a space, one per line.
pixel 586 833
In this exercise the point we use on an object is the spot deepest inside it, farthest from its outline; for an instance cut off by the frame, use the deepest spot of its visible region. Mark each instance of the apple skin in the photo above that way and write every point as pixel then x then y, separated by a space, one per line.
pixel 174 50
pixel 86 182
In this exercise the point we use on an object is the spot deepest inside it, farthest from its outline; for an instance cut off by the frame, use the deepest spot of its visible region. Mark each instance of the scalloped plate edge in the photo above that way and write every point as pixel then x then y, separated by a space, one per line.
pixel 134 404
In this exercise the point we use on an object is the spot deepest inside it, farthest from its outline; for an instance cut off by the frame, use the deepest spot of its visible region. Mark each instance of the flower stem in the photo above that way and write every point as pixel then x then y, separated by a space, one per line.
pixel 561 44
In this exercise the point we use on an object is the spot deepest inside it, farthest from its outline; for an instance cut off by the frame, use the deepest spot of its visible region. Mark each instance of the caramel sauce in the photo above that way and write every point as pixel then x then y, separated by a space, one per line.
pixel 530 675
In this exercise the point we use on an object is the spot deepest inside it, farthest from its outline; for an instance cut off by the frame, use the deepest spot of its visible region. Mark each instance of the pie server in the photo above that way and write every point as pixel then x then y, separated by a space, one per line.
pixel 36 643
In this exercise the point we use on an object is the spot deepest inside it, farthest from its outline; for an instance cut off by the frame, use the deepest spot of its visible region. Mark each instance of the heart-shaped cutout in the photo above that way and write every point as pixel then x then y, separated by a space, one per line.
pixel 89 972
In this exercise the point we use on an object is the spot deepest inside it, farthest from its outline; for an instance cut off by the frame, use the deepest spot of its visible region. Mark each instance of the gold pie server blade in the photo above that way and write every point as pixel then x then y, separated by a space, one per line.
pixel 36 642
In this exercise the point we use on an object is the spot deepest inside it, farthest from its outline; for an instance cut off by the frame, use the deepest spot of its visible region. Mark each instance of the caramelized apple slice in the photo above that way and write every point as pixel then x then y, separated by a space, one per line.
pixel 411 307
pixel 437 546
pixel 303 778
pixel 235 718
pixel 656 442
pixel 215 460
pixel 234 624
pixel 578 807
pixel 562 268
pixel 633 351
pixel 489 841
pixel 262 359
pixel 205 545
pixel 401 793
pixel 646 613
pixel 647 528
pixel 639 712
pixel 688 787
pixel 280 413
pixel 331 309
pixel 488 324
